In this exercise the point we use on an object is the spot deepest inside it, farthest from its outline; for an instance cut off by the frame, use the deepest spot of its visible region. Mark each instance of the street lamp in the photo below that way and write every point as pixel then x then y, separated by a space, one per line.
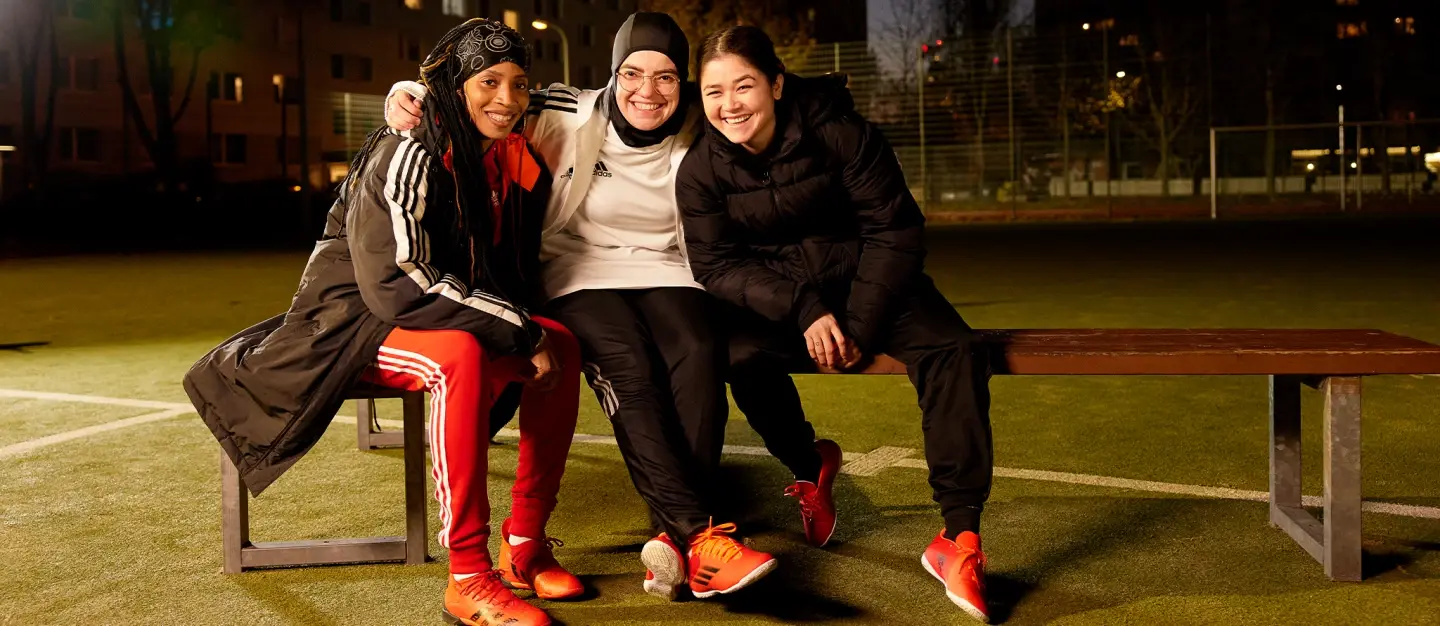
pixel 564 47
pixel 1104 26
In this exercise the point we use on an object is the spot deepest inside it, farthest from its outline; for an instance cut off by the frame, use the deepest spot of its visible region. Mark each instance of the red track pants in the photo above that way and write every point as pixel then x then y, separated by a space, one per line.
pixel 463 383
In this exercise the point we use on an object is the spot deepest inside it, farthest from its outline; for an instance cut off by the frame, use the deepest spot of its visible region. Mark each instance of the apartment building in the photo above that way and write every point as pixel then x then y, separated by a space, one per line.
pixel 353 49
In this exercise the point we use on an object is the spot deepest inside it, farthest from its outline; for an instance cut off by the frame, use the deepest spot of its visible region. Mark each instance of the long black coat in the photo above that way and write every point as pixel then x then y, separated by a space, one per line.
pixel 392 256
pixel 822 221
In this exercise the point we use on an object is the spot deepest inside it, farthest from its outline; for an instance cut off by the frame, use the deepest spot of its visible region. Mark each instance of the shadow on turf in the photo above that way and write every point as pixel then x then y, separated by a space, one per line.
pixel 784 595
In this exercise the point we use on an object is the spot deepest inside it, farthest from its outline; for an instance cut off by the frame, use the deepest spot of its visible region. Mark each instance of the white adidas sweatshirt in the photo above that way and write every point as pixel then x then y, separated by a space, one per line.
pixel 623 234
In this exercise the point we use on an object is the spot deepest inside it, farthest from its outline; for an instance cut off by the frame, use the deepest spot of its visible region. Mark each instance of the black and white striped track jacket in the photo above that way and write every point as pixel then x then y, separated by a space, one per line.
pixel 391 256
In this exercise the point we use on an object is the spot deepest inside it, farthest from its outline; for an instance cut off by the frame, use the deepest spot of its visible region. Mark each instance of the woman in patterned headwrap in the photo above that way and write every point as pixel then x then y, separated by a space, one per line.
pixel 423 280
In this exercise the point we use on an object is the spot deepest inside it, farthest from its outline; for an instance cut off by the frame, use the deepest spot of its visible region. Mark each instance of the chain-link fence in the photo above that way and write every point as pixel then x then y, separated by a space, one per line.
pixel 1019 122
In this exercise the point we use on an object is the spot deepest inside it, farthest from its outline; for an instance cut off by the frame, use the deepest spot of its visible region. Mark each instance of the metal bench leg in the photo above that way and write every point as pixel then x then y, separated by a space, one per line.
pixel 1284 446
pixel 416 539
pixel 1286 510
pixel 234 515
pixel 1342 478
pixel 366 437
pixel 364 416
pixel 1335 542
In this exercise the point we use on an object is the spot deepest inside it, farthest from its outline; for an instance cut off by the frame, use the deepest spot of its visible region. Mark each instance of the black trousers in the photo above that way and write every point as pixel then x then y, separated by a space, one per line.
pixel 934 343
pixel 656 365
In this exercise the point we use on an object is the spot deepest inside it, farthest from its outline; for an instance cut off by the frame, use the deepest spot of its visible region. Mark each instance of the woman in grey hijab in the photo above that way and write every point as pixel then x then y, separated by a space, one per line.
pixel 616 272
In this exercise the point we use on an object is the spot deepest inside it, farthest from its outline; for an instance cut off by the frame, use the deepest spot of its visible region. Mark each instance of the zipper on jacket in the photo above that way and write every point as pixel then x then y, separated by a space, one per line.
pixel 769 183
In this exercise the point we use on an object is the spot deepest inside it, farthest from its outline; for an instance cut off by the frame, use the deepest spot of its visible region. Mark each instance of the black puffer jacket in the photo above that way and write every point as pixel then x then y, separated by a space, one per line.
pixel 822 221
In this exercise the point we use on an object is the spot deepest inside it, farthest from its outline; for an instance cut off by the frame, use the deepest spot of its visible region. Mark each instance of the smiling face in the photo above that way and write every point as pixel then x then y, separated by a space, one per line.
pixel 647 103
pixel 740 101
pixel 496 98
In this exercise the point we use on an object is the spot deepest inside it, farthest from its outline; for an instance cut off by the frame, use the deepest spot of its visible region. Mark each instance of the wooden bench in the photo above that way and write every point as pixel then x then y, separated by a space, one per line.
pixel 241 554
pixel 1331 361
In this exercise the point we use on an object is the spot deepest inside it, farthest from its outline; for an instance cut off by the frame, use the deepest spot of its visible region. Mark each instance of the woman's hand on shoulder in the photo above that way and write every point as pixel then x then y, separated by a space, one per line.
pixel 402 110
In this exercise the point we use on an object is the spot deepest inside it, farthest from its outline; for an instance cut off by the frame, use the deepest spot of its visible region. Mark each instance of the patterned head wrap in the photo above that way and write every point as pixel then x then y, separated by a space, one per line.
pixel 477 44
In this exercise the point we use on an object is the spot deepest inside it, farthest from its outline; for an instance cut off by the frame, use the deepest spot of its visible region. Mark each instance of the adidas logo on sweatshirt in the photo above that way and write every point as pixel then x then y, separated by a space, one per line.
pixel 600 170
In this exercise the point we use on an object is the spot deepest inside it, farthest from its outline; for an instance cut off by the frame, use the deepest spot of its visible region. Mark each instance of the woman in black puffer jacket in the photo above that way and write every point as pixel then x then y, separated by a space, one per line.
pixel 796 210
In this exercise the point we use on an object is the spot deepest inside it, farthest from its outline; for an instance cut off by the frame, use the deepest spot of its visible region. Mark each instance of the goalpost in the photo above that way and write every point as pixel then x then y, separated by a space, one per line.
pixel 1346 158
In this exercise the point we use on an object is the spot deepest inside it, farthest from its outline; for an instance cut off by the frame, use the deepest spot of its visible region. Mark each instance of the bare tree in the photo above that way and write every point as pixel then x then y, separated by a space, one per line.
pixel 30 27
pixel 1275 30
pixel 1170 89
pixel 700 18
pixel 164 28
pixel 976 28
pixel 912 24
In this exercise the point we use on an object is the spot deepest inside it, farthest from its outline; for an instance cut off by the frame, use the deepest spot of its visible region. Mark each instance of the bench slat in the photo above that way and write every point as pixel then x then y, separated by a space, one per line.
pixel 1167 351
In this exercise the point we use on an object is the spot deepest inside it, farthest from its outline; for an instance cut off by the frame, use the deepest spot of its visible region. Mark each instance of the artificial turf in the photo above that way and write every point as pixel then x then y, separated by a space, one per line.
pixel 122 527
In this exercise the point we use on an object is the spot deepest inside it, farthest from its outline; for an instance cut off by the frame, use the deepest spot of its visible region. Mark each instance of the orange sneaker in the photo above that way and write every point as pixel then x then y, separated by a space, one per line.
pixel 720 564
pixel 817 499
pixel 960 566
pixel 664 569
pixel 532 565
pixel 482 600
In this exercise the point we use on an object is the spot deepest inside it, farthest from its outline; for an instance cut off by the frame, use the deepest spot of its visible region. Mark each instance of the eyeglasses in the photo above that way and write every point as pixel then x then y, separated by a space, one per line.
pixel 631 80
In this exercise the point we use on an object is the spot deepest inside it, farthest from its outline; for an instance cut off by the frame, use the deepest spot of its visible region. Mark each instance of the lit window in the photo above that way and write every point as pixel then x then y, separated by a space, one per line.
pixel 234 88
pixel 415 5
pixel 454 7
pixel 512 19
pixel 1405 26
pixel 1350 30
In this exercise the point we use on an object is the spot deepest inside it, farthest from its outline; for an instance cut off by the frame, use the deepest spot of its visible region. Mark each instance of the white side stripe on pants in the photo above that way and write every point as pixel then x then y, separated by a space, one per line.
pixel 608 401
pixel 429 372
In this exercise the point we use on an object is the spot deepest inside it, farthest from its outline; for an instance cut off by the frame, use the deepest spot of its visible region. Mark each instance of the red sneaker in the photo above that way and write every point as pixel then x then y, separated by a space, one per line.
pixel 817 499
pixel 664 569
pixel 960 566
pixel 532 565
pixel 720 564
pixel 482 599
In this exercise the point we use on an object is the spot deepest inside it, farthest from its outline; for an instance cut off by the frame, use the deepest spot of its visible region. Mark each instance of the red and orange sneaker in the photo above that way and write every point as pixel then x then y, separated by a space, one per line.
pixel 664 569
pixel 960 566
pixel 720 564
pixel 532 565
pixel 817 499
pixel 482 599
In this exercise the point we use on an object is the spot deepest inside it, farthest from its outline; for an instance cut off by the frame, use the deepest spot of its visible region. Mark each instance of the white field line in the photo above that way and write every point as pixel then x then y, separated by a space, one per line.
pixel 35 444
pixel 174 409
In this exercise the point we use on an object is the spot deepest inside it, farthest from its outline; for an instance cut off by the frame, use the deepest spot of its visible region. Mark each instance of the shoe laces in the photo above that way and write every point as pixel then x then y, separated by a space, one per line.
pixel 541 553
pixel 977 569
pixel 715 541
pixel 808 501
pixel 486 589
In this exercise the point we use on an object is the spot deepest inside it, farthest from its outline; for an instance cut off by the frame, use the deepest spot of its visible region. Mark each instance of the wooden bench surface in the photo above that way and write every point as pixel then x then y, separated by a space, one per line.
pixel 1198 352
